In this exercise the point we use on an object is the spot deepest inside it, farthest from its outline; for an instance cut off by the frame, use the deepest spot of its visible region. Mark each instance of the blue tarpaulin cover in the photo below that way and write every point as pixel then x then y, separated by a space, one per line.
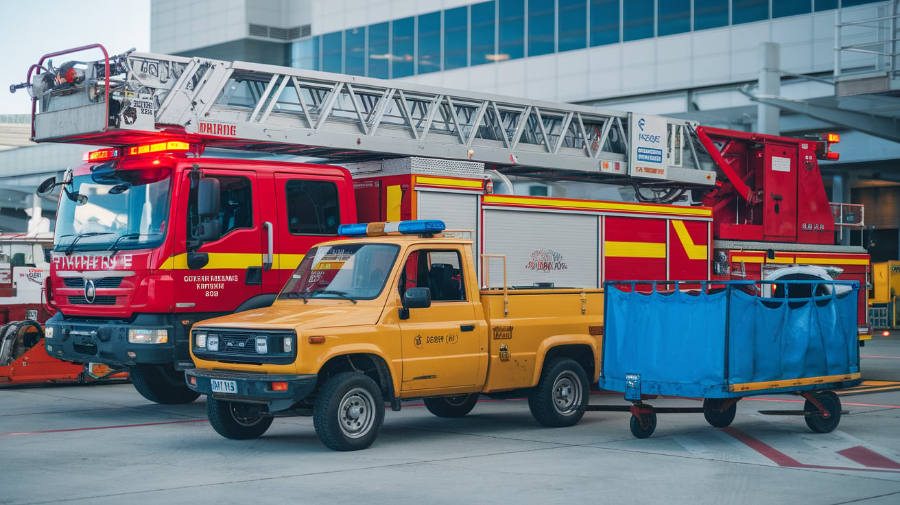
pixel 677 341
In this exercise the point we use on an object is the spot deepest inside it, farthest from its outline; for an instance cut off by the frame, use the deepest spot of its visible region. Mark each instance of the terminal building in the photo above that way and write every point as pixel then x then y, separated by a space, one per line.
pixel 790 67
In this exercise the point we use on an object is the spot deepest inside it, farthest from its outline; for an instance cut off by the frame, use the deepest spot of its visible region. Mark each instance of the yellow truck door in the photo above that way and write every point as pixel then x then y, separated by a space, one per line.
pixel 440 345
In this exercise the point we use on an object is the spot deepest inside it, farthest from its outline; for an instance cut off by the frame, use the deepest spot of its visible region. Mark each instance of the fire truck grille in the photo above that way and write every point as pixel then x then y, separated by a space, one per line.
pixel 105 282
pixel 99 300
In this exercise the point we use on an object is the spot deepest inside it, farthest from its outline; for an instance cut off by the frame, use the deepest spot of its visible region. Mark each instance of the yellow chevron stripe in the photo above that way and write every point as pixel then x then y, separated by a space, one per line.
pixel 595 205
pixel 635 250
pixel 694 252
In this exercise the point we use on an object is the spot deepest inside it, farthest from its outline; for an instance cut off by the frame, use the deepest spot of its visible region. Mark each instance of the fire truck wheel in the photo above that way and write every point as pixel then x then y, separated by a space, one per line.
pixel 561 396
pixel 451 406
pixel 814 419
pixel 161 384
pixel 348 412
pixel 233 420
pixel 717 417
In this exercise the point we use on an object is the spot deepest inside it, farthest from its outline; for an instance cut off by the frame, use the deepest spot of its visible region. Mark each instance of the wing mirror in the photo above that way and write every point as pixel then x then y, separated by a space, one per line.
pixel 415 298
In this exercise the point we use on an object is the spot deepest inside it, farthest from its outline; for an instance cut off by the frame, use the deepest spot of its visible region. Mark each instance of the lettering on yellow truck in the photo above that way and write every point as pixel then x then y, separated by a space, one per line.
pixel 399 316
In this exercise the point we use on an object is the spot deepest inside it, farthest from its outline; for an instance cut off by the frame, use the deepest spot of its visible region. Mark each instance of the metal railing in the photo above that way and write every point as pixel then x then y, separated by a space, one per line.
pixel 879 41
pixel 851 216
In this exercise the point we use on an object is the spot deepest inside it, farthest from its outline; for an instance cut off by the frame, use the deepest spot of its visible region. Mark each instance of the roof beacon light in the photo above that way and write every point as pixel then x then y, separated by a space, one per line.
pixel 156 147
pixel 101 155
pixel 832 138
pixel 417 227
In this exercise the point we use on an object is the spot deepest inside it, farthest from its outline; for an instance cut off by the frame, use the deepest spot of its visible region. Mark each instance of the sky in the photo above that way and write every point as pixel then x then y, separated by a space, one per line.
pixel 34 28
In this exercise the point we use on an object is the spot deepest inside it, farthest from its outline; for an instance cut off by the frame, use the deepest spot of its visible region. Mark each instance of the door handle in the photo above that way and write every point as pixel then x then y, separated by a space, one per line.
pixel 467 327
pixel 270 241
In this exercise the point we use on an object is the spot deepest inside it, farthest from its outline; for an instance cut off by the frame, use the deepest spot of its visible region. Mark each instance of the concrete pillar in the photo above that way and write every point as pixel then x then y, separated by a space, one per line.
pixel 769 84
pixel 36 222
pixel 840 193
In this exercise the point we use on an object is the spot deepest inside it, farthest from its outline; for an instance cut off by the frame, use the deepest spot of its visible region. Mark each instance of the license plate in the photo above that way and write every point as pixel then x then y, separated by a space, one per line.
pixel 220 386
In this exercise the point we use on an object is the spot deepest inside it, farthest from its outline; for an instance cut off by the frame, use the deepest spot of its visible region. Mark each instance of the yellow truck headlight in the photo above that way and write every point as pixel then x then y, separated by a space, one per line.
pixel 200 339
pixel 144 336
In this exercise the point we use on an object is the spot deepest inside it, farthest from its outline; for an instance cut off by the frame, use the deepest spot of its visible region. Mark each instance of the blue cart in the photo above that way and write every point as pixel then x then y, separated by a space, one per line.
pixel 723 341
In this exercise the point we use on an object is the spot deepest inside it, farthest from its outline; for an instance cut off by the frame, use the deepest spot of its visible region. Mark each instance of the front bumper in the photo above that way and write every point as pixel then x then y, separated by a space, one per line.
pixel 254 387
pixel 106 340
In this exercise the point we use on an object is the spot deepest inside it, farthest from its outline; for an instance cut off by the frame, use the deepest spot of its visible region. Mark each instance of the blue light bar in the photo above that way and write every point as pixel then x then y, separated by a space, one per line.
pixel 416 227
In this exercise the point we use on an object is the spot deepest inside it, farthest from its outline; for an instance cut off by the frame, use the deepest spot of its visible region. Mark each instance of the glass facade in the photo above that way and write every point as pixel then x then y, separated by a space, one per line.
pixel 500 30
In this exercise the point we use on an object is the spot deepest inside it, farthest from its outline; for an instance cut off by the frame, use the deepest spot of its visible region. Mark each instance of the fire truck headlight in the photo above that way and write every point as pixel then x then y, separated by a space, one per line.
pixel 143 336
pixel 48 332
pixel 200 339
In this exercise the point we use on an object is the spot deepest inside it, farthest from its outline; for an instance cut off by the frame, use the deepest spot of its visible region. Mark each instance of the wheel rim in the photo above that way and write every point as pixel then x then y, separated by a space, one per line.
pixel 457 401
pixel 356 413
pixel 566 393
pixel 243 420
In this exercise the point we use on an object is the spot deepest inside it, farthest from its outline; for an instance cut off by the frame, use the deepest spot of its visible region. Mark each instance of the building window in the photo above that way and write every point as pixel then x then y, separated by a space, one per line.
pixel 512 30
pixel 456 38
pixel 379 51
pixel 637 19
pixel 710 14
pixel 403 52
pixel 824 5
pixel 748 11
pixel 355 52
pixel 235 209
pixel 429 43
pixel 854 3
pixel 305 54
pixel 604 22
pixel 541 29
pixel 673 16
pixel 483 27
pixel 313 207
pixel 332 52
pixel 783 8
pixel 572 26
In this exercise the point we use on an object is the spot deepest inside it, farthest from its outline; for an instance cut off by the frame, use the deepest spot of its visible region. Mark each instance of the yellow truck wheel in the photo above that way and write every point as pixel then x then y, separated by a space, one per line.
pixel 451 406
pixel 561 396
pixel 348 412
pixel 230 420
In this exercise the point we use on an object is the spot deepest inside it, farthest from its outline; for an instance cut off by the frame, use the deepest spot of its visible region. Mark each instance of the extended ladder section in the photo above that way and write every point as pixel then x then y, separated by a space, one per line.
pixel 257 107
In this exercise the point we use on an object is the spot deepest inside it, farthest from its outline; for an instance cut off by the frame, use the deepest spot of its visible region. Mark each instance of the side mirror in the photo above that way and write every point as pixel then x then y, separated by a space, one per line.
pixel 208 197
pixel 417 298
pixel 46 187
pixel 197 260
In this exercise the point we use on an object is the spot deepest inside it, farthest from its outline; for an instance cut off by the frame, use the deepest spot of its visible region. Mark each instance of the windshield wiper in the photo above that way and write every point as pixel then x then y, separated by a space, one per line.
pixel 342 294
pixel 80 235
pixel 128 236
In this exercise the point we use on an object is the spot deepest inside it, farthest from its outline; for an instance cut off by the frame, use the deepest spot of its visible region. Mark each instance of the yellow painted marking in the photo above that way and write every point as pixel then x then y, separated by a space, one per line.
pixel 871 387
pixel 450 183
pixel 635 250
pixel 394 197
pixel 748 259
pixel 785 260
pixel 831 261
pixel 756 386
pixel 233 261
pixel 694 252
pixel 594 205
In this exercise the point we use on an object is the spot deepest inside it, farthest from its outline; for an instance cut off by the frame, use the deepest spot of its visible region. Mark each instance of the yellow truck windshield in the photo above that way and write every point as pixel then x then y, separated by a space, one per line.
pixel 349 271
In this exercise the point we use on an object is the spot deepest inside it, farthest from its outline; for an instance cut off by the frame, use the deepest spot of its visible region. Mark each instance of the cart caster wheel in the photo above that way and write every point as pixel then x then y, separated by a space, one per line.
pixel 832 405
pixel 715 416
pixel 644 426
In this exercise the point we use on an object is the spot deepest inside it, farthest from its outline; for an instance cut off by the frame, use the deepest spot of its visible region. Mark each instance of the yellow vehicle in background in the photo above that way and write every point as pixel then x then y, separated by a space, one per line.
pixel 884 311
pixel 395 313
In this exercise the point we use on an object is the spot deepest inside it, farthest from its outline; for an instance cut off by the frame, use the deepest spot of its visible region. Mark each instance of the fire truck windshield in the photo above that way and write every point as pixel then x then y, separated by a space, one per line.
pixel 348 271
pixel 113 209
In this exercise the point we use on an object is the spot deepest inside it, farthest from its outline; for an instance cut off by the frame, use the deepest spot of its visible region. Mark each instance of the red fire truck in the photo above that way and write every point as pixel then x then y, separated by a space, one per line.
pixel 152 235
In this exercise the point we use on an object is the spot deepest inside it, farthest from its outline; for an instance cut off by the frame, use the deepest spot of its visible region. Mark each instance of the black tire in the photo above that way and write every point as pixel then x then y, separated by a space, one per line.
pixel 225 417
pixel 348 412
pixel 561 396
pixel 715 416
pixel 643 431
pixel 451 406
pixel 815 421
pixel 161 384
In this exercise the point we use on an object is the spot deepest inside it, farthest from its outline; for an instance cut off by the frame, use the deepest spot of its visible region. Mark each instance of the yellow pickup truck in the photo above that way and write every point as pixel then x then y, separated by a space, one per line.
pixel 392 312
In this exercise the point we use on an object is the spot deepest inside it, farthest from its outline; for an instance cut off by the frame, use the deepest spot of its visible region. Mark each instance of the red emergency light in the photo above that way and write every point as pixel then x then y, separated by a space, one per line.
pixel 101 155
pixel 172 145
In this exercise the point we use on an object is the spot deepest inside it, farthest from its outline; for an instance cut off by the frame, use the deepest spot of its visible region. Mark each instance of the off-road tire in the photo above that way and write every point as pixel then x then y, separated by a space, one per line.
pixel 348 412
pixel 161 384
pixel 451 406
pixel 561 396
pixel 226 420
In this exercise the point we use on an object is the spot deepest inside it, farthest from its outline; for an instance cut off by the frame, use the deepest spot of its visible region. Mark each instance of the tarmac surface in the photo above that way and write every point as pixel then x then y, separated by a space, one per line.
pixel 104 444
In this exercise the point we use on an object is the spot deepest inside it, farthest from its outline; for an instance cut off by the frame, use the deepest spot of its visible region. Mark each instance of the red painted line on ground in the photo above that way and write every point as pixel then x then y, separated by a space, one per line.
pixel 783 460
pixel 17 433
pixel 868 457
